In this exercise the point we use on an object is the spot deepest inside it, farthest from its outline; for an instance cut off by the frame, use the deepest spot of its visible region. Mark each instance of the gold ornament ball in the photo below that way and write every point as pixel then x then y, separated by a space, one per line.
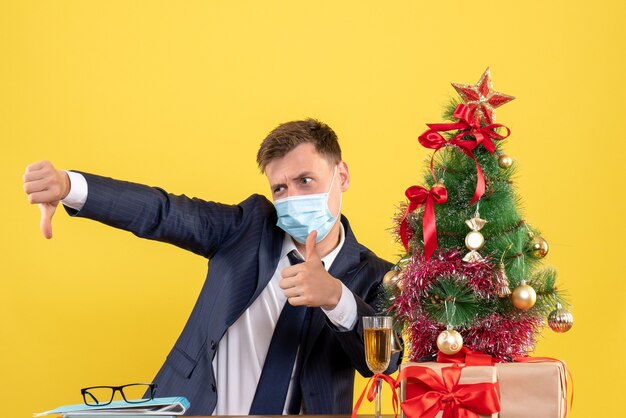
pixel 524 296
pixel 538 247
pixel 560 320
pixel 393 279
pixel 449 342
pixel 400 282
pixel 390 278
pixel 474 240
pixel 504 161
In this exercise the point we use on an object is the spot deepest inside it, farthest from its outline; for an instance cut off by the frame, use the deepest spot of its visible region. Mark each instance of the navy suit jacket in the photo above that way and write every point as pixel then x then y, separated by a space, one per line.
pixel 243 245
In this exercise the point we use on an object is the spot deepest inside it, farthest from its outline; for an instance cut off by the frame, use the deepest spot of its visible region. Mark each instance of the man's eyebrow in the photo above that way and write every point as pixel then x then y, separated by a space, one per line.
pixel 296 177
pixel 303 174
pixel 277 185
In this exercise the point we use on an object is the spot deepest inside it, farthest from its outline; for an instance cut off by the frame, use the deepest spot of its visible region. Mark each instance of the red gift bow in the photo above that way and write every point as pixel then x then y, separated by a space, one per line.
pixel 418 196
pixel 468 125
pixel 434 393
pixel 372 392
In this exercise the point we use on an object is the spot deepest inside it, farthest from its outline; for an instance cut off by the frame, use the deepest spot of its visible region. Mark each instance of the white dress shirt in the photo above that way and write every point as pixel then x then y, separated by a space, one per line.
pixel 241 353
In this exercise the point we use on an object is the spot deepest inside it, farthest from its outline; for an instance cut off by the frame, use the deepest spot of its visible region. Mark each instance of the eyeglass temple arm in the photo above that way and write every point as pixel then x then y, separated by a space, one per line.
pixel 92 397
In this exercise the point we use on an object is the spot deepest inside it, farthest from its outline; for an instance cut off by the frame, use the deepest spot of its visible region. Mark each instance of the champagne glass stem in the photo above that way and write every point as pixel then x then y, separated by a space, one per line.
pixel 378 399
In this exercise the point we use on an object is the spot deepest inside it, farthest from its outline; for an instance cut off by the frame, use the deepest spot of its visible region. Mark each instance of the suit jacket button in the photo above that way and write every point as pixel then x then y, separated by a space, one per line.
pixel 212 345
pixel 213 388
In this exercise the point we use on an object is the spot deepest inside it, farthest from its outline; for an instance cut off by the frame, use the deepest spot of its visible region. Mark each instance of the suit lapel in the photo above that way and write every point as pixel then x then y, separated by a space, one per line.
pixel 269 256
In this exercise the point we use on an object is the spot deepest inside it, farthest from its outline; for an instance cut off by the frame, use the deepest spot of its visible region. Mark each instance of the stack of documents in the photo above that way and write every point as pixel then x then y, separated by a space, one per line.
pixel 157 408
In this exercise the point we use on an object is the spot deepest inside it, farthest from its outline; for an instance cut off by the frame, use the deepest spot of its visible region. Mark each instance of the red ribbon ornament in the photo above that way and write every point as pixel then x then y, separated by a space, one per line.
pixel 468 125
pixel 371 394
pixel 419 196
pixel 432 393
pixel 468 357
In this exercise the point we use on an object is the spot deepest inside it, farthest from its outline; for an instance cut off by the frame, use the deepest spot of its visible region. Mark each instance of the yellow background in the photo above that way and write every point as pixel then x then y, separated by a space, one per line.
pixel 180 94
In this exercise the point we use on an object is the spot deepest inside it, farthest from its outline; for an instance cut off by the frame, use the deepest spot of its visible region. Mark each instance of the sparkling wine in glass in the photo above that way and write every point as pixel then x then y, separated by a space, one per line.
pixel 378 331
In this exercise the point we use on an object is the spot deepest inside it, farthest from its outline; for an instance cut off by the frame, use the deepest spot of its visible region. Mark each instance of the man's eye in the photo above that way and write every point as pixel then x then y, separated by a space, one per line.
pixel 278 189
pixel 306 180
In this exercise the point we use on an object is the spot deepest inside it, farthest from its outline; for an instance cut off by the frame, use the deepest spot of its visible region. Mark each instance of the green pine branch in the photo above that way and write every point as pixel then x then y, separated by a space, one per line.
pixel 450 301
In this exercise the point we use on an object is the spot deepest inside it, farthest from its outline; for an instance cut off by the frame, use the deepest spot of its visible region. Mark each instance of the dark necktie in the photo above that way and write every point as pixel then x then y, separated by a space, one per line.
pixel 271 392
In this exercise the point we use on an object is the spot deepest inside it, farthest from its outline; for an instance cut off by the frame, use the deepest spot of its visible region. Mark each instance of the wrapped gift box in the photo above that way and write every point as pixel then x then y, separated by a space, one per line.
pixel 529 389
pixel 532 389
pixel 469 376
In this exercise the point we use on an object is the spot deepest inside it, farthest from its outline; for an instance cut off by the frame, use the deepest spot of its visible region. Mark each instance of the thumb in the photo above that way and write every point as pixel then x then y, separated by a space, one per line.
pixel 47 212
pixel 311 251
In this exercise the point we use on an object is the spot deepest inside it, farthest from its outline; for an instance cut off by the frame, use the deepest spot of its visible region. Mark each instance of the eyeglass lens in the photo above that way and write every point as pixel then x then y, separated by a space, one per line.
pixel 102 395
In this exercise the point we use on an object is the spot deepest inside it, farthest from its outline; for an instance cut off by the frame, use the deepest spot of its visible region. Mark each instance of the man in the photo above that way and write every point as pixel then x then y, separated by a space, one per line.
pixel 287 283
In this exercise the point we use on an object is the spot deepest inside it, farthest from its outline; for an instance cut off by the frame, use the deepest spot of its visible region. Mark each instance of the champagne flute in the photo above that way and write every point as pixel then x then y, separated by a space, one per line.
pixel 378 331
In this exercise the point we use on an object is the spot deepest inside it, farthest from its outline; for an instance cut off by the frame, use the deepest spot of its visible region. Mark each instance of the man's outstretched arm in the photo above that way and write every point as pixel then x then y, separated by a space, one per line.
pixel 148 212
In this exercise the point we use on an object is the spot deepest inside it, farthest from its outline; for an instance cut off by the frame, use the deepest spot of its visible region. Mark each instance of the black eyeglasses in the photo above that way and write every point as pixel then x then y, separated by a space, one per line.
pixel 132 393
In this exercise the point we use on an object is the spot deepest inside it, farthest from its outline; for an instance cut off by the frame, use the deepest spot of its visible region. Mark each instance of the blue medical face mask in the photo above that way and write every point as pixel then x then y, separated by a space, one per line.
pixel 300 215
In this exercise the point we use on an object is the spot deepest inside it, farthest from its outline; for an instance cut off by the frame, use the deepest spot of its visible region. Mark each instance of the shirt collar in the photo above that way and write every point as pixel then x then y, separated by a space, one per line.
pixel 289 245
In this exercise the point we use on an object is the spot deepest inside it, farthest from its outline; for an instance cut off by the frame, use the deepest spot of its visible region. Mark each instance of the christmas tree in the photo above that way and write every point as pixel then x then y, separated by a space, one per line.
pixel 472 273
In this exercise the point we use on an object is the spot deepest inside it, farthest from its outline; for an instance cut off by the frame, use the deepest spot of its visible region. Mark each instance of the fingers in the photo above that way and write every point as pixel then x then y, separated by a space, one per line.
pixel 45 224
pixel 298 301
pixel 296 295
pixel 38 170
pixel 291 293
pixel 292 290
pixel 34 175
pixel 34 186
pixel 311 251
pixel 41 191
pixel 44 184
pixel 37 166
pixel 291 271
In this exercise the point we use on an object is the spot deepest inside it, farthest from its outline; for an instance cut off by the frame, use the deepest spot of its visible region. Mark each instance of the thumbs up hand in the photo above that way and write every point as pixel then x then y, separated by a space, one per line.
pixel 309 283
pixel 46 186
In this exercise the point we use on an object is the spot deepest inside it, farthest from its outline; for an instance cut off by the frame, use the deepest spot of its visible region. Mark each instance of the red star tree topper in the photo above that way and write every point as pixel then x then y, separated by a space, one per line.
pixel 481 98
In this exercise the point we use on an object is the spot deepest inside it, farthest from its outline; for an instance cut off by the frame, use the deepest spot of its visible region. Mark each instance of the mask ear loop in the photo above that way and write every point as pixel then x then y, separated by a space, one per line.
pixel 332 181
pixel 328 195
pixel 340 202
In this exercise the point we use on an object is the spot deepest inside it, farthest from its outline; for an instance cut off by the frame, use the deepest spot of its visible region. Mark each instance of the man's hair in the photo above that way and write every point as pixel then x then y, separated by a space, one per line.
pixel 287 136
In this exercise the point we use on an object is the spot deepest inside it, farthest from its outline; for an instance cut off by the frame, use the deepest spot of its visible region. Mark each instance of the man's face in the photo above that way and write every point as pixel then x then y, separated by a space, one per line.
pixel 304 171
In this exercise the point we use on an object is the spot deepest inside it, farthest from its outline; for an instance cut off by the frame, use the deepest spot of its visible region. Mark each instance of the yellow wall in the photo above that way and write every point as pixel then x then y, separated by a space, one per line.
pixel 179 94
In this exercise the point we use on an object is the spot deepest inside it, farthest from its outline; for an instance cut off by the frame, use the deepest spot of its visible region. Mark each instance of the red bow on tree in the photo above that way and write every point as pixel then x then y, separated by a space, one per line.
pixel 469 126
pixel 431 394
pixel 419 196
